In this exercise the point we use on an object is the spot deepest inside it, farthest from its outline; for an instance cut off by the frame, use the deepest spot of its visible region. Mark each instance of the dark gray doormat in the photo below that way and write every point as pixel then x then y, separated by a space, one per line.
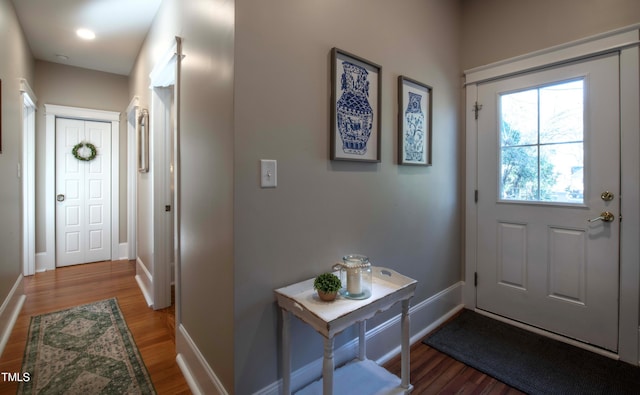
pixel 529 362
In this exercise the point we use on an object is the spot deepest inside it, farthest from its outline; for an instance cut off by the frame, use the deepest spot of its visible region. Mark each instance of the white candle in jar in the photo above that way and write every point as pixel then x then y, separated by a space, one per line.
pixel 354 281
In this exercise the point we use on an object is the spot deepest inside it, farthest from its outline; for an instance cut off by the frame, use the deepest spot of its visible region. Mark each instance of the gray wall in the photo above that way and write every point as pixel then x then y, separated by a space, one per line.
pixel 15 63
pixel 494 30
pixel 206 168
pixel 406 218
pixel 76 87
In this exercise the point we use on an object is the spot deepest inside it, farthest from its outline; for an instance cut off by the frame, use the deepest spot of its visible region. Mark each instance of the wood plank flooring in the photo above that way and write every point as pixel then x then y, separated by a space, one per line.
pixel 432 372
pixel 153 331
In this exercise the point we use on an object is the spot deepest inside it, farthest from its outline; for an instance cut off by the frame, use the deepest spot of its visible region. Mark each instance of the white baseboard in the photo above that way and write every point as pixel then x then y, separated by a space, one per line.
pixel 10 310
pixel 197 372
pixel 145 282
pixel 45 261
pixel 383 341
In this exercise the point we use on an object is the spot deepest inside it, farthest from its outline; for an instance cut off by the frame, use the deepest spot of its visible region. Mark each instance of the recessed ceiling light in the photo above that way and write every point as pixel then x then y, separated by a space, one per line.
pixel 85 34
pixel 61 57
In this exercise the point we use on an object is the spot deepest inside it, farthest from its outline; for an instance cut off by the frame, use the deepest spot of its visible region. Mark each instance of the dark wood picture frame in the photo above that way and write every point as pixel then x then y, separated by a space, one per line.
pixel 356 94
pixel 415 120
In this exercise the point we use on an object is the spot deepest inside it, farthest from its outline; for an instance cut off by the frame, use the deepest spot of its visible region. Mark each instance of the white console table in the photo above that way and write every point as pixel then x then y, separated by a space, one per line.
pixel 331 318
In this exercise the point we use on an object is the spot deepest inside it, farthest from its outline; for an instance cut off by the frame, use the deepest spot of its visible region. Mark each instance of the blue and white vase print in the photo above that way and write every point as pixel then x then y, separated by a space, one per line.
pixel 414 132
pixel 353 111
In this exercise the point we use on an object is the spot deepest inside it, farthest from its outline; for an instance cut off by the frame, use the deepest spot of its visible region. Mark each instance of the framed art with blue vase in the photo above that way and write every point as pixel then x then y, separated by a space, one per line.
pixel 414 122
pixel 355 108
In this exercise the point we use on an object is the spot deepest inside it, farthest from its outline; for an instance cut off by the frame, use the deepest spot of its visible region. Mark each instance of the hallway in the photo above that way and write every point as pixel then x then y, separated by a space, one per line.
pixel 153 331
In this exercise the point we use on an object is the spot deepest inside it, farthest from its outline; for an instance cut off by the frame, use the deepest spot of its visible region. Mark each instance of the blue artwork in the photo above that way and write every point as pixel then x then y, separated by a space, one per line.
pixel 414 132
pixel 353 111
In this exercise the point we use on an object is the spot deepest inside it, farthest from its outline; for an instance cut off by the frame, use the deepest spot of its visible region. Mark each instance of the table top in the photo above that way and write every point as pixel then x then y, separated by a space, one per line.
pixel 302 297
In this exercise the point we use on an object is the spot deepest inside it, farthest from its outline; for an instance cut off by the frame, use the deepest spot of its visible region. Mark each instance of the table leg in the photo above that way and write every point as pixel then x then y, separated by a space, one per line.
pixel 286 353
pixel 405 323
pixel 327 367
pixel 362 343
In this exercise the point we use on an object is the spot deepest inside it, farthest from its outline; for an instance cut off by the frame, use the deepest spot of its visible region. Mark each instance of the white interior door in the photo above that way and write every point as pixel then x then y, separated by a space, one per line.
pixel 83 193
pixel 548 153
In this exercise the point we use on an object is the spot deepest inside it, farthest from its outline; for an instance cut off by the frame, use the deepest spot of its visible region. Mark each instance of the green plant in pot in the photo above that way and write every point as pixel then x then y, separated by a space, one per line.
pixel 327 285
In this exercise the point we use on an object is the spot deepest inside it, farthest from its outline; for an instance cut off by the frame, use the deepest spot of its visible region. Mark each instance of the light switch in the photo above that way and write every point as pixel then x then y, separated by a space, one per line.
pixel 268 173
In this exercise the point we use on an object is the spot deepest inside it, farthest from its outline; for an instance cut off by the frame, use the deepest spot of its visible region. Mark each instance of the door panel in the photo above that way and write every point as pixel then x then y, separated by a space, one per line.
pixel 83 227
pixel 512 254
pixel 548 147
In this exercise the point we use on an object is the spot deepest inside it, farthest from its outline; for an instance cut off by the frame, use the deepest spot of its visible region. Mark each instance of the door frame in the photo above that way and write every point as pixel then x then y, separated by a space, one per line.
pixel 133 111
pixel 164 142
pixel 47 259
pixel 625 42
pixel 28 178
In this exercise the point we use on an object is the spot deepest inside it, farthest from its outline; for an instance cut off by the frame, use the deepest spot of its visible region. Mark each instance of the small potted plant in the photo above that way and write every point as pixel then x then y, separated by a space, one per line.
pixel 327 285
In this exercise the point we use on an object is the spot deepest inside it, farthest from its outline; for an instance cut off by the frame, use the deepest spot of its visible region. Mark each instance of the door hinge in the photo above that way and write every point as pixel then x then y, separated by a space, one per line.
pixel 476 109
pixel 475 279
pixel 475 196
pixel 167 208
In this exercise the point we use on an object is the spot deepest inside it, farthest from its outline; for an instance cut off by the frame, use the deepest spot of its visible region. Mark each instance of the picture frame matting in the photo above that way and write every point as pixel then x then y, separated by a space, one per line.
pixel 415 120
pixel 355 108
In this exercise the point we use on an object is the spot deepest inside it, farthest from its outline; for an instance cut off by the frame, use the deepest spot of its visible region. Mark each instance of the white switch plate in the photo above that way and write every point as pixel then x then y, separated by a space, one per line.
pixel 268 173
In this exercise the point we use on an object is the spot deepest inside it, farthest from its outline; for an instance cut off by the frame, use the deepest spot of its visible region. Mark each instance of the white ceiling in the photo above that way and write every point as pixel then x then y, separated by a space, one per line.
pixel 120 27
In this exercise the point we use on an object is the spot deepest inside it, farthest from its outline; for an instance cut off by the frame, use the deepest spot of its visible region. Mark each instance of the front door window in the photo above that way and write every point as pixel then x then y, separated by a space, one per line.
pixel 542 144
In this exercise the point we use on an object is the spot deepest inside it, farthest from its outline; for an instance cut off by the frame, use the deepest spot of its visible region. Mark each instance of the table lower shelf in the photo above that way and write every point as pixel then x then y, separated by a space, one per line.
pixel 363 377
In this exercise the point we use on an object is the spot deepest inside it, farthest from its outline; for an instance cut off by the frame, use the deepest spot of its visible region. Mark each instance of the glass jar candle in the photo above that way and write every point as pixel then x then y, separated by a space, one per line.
pixel 356 276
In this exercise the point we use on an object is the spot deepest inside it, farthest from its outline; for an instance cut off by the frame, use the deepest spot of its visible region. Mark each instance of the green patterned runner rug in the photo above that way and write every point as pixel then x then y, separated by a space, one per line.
pixel 83 350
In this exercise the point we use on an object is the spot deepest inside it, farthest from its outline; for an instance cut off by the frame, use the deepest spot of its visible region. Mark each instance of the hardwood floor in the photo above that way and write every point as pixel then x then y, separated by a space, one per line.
pixel 153 331
pixel 433 372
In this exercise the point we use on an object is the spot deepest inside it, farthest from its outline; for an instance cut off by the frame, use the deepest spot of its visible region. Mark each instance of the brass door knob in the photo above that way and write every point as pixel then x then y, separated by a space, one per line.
pixel 605 216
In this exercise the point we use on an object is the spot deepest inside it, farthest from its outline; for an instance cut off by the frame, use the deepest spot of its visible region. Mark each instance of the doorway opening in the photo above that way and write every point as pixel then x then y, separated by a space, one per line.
pixel 511 232
pixel 548 148
pixel 158 239
pixel 47 259
pixel 28 178
pixel 83 183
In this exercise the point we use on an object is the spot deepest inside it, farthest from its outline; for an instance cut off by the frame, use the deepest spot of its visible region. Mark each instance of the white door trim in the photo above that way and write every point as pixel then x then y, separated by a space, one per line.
pixel 630 205
pixel 625 42
pixel 611 41
pixel 161 128
pixel 51 112
pixel 165 82
pixel 132 173
pixel 28 178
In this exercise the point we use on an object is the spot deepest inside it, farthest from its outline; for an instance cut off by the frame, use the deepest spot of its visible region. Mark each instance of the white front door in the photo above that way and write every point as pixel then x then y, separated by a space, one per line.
pixel 83 192
pixel 548 162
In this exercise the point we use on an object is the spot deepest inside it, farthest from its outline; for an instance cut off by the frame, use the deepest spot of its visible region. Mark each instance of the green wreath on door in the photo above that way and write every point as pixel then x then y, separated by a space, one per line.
pixel 78 156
